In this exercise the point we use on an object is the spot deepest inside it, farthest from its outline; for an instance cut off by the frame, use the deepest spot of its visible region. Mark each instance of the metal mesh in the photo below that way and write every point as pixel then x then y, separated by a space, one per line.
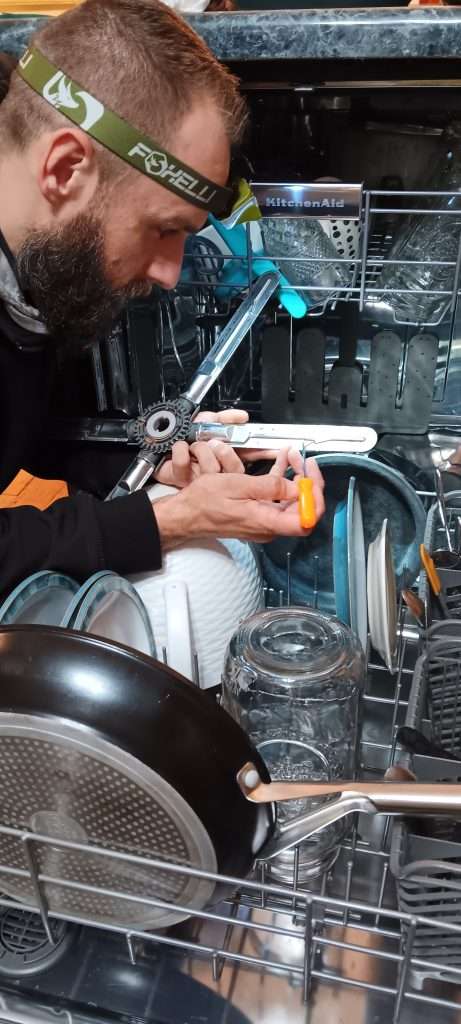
pixel 103 798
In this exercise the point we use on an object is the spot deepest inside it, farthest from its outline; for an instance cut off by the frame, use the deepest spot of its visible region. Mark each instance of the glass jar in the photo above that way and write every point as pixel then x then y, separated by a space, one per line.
pixel 293 680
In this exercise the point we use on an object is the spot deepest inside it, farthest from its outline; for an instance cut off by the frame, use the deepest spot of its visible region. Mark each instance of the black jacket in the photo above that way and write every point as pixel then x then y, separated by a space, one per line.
pixel 80 534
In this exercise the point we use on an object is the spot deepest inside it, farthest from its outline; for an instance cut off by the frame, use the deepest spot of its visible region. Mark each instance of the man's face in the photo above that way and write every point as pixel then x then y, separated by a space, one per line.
pixel 80 274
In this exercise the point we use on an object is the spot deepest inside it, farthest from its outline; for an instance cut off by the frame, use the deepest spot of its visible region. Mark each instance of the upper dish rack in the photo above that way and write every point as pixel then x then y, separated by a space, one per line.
pixel 351 359
pixel 359 228
pixel 337 254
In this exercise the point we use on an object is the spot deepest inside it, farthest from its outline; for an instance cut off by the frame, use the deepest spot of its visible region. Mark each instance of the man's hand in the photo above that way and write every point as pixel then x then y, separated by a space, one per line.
pixel 207 457
pixel 235 505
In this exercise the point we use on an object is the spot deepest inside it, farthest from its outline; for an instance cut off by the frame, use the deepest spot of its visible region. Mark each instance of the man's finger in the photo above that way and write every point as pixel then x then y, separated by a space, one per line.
pixel 232 416
pixel 202 452
pixel 258 454
pixel 281 463
pixel 226 456
pixel 259 488
pixel 180 457
pixel 296 461
pixel 313 471
pixel 226 416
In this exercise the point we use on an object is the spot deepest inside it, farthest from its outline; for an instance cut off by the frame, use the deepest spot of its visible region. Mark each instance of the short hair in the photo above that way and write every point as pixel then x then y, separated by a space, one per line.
pixel 140 59
pixel 221 5
pixel 7 66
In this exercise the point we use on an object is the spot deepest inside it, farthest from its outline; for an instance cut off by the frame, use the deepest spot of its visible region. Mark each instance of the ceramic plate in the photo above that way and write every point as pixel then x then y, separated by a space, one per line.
pixel 40 599
pixel 356 564
pixel 382 598
pixel 113 609
pixel 340 563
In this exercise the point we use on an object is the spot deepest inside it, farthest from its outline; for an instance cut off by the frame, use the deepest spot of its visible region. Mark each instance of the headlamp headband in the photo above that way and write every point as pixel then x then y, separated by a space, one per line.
pixel 116 134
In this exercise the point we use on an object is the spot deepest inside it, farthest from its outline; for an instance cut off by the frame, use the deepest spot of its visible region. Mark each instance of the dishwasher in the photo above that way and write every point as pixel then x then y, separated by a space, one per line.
pixel 357 182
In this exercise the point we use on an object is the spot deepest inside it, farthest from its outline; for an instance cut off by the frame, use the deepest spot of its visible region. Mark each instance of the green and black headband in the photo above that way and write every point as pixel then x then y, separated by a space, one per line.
pixel 116 134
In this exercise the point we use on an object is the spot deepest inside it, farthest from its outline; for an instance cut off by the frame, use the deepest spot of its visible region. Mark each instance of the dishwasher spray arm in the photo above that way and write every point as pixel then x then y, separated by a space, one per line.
pixel 167 422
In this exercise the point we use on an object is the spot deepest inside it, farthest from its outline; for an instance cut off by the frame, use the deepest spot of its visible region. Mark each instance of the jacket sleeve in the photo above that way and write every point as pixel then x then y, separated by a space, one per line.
pixel 94 468
pixel 79 535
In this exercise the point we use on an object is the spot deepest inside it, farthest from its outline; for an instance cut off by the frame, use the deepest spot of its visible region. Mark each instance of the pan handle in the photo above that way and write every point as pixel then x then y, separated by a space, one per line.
pixel 386 797
pixel 306 825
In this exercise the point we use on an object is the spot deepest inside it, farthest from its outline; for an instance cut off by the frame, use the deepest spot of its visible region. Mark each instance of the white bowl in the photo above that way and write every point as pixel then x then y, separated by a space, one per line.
pixel 198 598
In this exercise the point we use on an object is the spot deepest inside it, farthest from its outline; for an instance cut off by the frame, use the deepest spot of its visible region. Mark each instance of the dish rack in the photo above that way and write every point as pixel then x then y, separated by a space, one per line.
pixel 346 934
pixel 348 361
pixel 427 863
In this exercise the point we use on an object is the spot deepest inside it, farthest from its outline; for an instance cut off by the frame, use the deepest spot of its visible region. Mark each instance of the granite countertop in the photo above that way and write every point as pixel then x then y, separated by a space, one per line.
pixel 297 34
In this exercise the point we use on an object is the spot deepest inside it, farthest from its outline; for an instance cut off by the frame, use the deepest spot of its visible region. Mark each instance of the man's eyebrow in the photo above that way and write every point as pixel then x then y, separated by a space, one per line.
pixel 173 224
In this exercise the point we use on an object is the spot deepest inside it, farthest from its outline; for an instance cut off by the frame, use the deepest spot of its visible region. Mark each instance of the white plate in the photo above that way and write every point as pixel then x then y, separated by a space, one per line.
pixel 382 598
pixel 113 609
pixel 357 565
pixel 41 599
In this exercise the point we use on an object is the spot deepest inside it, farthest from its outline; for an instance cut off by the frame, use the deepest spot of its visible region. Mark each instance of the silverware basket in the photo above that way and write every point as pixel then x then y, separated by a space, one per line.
pixel 425 856
pixel 450 578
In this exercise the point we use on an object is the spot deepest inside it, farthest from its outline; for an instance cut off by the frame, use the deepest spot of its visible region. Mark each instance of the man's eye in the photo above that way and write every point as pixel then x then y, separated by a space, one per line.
pixel 168 232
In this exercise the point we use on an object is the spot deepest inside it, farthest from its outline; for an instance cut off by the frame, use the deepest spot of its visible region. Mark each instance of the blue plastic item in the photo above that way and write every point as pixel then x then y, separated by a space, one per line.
pixel 236 273
pixel 340 563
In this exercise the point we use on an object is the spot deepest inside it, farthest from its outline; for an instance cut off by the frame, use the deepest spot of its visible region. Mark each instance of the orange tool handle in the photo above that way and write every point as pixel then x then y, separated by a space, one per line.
pixel 433 576
pixel 306 503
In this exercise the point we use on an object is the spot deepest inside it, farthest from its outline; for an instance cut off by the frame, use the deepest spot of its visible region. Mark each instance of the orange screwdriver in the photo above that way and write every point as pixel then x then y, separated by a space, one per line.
pixel 434 579
pixel 306 502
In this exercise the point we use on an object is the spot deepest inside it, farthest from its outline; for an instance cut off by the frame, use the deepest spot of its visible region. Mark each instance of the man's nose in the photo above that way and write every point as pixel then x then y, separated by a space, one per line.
pixel 165 267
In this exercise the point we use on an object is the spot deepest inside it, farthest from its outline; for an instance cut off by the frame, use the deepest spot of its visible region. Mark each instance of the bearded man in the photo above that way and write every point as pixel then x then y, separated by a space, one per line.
pixel 85 226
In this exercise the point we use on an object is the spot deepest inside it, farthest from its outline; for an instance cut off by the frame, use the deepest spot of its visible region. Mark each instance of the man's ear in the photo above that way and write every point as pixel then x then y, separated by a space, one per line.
pixel 68 170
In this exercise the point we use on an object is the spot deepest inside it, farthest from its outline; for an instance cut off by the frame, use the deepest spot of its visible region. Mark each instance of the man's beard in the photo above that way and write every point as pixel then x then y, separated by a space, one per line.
pixel 62 275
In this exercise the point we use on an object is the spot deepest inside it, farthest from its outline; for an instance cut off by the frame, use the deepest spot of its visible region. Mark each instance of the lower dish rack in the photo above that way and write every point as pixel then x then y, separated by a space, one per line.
pixel 364 943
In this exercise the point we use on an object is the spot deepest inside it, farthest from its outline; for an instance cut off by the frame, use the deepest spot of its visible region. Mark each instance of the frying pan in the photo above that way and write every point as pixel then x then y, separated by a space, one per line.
pixel 106 748
pixel 101 744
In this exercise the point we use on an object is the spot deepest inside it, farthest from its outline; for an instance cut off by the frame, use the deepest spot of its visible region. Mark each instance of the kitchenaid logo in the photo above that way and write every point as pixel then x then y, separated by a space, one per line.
pixel 158 165
pixel 275 202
